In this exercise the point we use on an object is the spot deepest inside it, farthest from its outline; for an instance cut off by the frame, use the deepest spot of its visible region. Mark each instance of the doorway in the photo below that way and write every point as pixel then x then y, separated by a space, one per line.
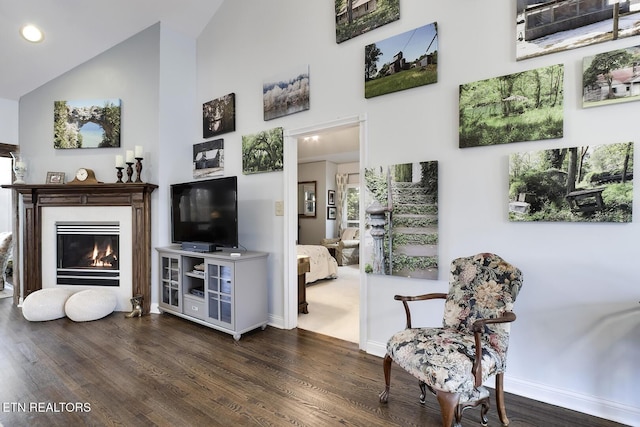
pixel 7 226
pixel 321 136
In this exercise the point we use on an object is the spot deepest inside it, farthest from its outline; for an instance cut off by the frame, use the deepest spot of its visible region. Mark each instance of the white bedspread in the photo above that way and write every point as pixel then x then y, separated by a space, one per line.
pixel 323 265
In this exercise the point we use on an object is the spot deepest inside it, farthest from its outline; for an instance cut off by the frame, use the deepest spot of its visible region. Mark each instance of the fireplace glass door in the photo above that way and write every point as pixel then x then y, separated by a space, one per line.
pixel 87 253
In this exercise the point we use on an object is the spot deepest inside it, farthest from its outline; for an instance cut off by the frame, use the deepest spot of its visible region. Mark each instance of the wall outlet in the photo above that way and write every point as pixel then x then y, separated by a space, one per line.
pixel 279 208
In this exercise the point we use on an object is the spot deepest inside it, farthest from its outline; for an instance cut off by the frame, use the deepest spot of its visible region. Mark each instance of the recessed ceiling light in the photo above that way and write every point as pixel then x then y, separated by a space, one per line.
pixel 31 33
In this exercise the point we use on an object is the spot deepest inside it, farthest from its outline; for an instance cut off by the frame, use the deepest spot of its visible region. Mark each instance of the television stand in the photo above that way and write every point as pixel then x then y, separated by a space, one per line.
pixel 218 290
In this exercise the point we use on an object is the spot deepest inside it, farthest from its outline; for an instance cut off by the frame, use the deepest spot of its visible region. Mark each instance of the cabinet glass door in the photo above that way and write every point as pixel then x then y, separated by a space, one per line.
pixel 170 282
pixel 220 292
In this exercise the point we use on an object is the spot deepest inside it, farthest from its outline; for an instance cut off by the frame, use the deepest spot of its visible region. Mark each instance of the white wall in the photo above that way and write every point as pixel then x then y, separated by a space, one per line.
pixel 577 339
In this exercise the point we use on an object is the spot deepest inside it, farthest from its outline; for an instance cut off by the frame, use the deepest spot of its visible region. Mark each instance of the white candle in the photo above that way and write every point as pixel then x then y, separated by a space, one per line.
pixel 119 161
pixel 129 156
pixel 139 151
pixel 21 165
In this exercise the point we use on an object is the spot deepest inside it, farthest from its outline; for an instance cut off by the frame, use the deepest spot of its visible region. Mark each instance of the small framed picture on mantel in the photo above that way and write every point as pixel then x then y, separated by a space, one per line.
pixel 55 177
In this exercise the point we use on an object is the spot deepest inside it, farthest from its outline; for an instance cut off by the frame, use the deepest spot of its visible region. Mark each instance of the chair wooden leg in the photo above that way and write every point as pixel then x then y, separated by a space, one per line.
pixel 448 405
pixel 386 364
pixel 502 411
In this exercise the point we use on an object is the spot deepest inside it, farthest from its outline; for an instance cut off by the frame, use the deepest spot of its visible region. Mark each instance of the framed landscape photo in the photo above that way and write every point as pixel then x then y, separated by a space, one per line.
pixel 86 124
pixel 611 77
pixel 355 17
pixel 550 26
pixel 286 94
pixel 525 106
pixel 55 177
pixel 590 183
pixel 401 62
pixel 263 151
pixel 219 116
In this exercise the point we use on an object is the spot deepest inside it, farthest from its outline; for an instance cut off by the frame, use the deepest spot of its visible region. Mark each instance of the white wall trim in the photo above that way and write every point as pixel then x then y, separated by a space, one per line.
pixel 291 214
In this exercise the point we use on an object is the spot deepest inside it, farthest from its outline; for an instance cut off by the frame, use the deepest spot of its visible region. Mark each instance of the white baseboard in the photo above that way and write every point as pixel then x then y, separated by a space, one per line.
pixel 586 404
pixel 591 405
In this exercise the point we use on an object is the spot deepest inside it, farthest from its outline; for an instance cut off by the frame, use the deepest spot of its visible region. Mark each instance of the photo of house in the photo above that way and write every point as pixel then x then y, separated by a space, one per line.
pixel 611 77
pixel 140 293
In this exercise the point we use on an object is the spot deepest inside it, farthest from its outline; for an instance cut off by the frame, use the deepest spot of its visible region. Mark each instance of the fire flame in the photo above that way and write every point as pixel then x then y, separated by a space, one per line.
pixel 103 260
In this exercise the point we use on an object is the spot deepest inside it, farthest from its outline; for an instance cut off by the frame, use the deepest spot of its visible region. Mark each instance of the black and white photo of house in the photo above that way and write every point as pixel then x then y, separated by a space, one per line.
pixel 550 26
pixel 286 94
pixel 208 158
pixel 402 220
pixel 611 77
pixel 219 116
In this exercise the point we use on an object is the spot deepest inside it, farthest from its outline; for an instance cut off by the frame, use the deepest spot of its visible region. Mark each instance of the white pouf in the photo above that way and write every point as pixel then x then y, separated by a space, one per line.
pixel 45 304
pixel 92 304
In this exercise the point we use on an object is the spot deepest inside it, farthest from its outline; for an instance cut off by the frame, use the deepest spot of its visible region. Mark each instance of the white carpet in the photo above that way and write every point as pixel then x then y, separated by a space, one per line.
pixel 334 305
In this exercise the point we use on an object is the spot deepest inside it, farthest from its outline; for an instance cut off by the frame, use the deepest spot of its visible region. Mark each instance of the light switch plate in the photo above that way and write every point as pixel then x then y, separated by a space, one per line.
pixel 279 208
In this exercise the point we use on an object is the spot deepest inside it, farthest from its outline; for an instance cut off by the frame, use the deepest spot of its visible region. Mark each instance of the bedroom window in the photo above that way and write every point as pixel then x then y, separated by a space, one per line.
pixel 352 205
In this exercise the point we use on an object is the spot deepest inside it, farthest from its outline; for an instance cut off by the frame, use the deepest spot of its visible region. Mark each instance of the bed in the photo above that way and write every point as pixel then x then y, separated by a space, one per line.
pixel 323 265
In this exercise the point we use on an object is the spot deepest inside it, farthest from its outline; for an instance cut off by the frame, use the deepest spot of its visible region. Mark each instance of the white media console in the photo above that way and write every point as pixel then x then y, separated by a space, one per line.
pixel 217 289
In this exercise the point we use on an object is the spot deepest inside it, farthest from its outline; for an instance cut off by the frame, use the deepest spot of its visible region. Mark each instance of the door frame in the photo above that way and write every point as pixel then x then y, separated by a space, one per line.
pixel 291 216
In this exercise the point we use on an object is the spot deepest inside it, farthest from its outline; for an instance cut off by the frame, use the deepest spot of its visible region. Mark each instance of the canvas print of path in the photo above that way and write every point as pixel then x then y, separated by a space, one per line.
pixel 414 231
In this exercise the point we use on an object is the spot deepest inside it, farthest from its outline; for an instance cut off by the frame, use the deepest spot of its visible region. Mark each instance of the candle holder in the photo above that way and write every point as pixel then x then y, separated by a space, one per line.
pixel 119 175
pixel 129 171
pixel 138 168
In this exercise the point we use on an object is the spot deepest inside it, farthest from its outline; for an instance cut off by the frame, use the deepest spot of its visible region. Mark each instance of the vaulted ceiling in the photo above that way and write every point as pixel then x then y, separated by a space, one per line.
pixel 77 30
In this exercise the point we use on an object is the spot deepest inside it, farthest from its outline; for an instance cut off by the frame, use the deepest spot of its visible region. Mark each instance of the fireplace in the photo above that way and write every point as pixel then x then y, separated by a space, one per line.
pixel 39 200
pixel 82 251
pixel 87 253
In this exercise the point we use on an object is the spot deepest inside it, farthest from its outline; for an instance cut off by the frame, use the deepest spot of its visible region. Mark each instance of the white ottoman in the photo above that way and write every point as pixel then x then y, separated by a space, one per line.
pixel 45 304
pixel 92 304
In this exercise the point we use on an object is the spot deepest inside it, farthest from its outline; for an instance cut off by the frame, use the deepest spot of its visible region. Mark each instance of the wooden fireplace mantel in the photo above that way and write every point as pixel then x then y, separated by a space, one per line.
pixel 137 195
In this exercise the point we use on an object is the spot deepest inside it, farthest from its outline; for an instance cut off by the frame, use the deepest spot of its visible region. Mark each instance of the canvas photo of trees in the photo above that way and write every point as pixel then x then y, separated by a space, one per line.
pixel 286 93
pixel 263 151
pixel 611 77
pixel 219 116
pixel 401 62
pixel 577 184
pixel 524 106
pixel 402 220
pixel 86 123
pixel 355 17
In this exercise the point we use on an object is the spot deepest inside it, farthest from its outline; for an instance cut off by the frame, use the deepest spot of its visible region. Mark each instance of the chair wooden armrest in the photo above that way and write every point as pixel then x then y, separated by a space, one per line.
pixel 424 297
pixel 478 330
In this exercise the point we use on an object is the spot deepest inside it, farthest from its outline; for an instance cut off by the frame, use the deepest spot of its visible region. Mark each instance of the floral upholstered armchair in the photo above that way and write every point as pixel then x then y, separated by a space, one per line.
pixel 454 360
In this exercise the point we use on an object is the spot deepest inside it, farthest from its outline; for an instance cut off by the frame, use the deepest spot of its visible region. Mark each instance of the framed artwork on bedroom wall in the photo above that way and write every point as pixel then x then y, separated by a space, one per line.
pixel 331 198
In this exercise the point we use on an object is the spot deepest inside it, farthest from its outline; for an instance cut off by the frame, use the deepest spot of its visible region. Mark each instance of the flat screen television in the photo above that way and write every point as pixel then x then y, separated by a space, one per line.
pixel 204 214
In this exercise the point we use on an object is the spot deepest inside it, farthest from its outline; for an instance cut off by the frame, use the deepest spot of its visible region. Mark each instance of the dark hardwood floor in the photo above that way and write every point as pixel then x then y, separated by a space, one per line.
pixel 163 370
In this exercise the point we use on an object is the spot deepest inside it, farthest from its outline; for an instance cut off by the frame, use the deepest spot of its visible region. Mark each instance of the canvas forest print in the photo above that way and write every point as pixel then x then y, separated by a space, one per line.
pixel 355 17
pixel 402 220
pixel 577 184
pixel 401 62
pixel 611 77
pixel 208 158
pixel 86 124
pixel 549 26
pixel 525 106
pixel 263 152
pixel 219 116
pixel 286 94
